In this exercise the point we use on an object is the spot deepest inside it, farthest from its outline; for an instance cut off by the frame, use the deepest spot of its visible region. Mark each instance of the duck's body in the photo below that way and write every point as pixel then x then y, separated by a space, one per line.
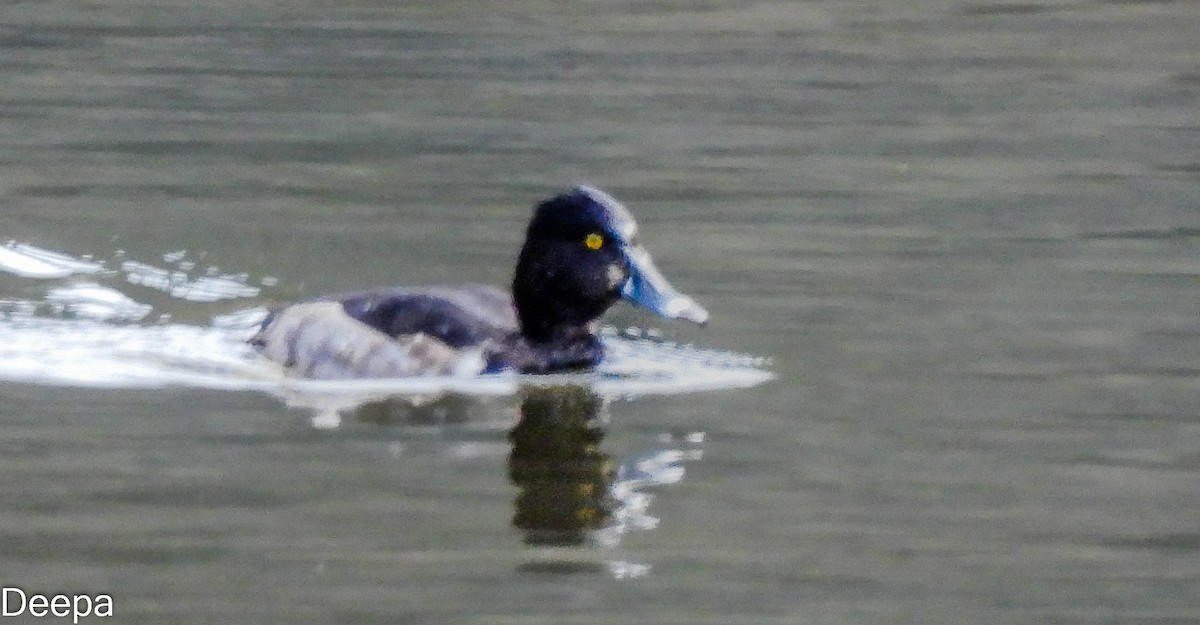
pixel 580 256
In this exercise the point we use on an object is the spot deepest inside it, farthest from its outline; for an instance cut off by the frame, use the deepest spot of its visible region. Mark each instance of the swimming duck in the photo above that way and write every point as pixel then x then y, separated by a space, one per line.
pixel 581 255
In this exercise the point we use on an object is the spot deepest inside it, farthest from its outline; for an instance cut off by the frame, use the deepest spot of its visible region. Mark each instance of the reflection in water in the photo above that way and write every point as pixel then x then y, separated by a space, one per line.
pixel 570 491
pixel 563 477
pixel 446 410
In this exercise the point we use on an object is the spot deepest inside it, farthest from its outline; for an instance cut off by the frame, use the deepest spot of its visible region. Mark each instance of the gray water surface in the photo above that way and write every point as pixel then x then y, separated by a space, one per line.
pixel 966 232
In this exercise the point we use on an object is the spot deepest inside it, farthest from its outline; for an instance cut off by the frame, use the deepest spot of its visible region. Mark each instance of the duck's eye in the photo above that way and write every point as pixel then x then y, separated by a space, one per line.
pixel 593 241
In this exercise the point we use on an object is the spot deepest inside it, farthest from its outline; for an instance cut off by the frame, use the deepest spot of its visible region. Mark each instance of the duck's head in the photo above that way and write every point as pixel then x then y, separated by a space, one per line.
pixel 581 255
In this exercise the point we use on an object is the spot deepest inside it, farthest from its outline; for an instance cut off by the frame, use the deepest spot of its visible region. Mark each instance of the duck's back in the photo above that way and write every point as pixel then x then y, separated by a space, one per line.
pixel 396 332
pixel 459 316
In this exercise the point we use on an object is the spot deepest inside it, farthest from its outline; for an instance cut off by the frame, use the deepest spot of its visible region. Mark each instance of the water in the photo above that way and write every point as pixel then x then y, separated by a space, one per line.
pixel 963 231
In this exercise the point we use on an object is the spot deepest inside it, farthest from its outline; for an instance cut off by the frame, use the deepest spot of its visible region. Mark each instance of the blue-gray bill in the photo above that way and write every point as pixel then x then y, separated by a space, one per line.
pixel 647 288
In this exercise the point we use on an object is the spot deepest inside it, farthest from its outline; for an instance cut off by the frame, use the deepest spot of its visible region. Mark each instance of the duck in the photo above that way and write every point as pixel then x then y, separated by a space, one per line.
pixel 580 257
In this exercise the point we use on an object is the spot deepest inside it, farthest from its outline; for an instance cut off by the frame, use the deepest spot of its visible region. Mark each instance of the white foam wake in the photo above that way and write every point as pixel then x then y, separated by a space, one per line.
pixel 90 334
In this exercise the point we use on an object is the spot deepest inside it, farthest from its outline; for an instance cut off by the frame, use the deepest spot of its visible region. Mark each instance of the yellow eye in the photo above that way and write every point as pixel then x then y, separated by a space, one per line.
pixel 593 241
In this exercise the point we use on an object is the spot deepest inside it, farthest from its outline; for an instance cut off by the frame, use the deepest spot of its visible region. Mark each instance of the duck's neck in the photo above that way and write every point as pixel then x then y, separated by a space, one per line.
pixel 565 349
pixel 556 302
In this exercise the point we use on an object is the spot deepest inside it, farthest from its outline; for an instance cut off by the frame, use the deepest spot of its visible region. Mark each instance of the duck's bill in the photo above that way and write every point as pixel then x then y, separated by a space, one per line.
pixel 647 288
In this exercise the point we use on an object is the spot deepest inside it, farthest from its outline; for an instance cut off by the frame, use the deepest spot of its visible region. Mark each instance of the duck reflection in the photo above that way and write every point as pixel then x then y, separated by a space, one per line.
pixel 570 491
pixel 447 410
pixel 564 478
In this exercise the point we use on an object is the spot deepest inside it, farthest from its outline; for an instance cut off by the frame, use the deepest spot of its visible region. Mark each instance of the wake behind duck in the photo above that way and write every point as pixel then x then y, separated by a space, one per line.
pixel 580 257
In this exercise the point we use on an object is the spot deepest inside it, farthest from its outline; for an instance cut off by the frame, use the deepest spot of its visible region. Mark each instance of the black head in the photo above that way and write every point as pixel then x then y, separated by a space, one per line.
pixel 580 256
